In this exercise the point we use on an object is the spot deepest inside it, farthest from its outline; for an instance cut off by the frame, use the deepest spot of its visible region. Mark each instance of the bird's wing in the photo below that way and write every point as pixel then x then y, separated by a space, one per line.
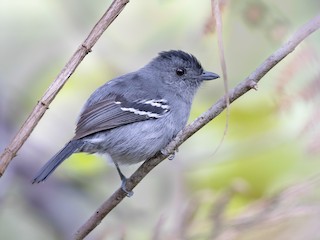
pixel 115 111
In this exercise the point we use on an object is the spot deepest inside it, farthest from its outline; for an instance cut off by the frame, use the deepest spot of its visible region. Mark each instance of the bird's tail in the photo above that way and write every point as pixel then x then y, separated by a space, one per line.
pixel 56 160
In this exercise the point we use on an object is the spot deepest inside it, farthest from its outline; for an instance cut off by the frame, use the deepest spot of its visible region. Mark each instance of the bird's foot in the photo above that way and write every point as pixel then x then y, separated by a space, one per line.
pixel 171 156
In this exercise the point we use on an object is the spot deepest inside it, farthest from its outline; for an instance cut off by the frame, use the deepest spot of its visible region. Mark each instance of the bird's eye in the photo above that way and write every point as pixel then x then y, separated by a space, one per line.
pixel 180 71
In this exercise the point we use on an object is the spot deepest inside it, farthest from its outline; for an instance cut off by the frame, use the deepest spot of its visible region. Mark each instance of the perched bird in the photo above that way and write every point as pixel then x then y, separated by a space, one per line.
pixel 134 116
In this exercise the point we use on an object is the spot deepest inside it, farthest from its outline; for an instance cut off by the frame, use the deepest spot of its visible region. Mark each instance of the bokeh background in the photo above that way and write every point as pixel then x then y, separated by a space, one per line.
pixel 263 181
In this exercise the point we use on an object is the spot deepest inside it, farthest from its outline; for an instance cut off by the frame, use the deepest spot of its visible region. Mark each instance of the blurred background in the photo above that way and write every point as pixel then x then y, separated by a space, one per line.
pixel 262 183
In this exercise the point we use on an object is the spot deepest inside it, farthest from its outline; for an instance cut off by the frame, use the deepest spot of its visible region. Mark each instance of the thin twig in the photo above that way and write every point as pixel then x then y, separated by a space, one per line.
pixel 43 104
pixel 243 87
pixel 215 5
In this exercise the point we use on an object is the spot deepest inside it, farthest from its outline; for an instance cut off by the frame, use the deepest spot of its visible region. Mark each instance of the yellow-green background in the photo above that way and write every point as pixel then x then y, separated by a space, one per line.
pixel 273 135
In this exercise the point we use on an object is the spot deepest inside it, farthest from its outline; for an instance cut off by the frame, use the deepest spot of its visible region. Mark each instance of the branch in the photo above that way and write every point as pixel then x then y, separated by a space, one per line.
pixel 243 87
pixel 43 104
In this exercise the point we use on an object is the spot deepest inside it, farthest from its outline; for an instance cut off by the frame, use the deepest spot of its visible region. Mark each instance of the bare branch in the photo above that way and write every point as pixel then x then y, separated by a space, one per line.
pixel 249 83
pixel 43 104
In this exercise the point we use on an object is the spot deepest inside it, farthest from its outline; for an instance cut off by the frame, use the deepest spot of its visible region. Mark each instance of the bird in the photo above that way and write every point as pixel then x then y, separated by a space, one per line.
pixel 134 116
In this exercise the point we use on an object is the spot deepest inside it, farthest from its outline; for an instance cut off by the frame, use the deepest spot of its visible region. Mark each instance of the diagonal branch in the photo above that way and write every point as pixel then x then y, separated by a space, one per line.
pixel 43 104
pixel 243 87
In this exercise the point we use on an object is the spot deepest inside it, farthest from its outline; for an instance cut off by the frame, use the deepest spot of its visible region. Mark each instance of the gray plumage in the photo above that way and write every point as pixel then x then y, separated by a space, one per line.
pixel 134 116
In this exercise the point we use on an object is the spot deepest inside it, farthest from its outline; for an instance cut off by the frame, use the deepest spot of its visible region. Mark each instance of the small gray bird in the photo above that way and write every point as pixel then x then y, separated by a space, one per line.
pixel 134 116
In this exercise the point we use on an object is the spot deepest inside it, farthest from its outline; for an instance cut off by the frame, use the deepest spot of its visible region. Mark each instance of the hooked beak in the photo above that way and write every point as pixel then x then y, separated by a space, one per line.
pixel 208 75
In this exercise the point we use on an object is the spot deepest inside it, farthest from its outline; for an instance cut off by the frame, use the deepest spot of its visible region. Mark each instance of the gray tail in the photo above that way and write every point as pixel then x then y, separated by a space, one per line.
pixel 57 159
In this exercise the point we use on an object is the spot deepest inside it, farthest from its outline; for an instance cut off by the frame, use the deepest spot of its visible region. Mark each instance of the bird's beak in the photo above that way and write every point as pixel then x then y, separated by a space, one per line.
pixel 209 75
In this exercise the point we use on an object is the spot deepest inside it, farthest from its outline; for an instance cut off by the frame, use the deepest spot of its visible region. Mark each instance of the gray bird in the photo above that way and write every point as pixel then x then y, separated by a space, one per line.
pixel 134 116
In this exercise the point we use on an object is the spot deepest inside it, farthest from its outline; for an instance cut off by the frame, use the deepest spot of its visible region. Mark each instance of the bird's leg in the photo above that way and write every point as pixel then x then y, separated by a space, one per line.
pixel 123 181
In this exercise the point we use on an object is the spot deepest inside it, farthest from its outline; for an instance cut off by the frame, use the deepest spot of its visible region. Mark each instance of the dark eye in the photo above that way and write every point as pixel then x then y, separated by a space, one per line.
pixel 180 71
